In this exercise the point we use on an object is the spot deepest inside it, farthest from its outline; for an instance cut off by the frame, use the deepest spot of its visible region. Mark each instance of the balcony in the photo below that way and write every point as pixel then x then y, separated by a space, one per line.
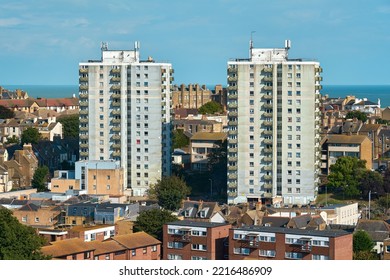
pixel 267 186
pixel 267 177
pixel 318 87
pixel 268 79
pixel 116 104
pixel 268 141
pixel 83 112
pixel 267 69
pixel 116 112
pixel 267 195
pixel 318 78
pixel 232 87
pixel 115 87
pixel 83 120
pixel 83 95
pixel 267 87
pixel 233 141
pixel 116 154
pixel 116 146
pixel 232 168
pixel 116 129
pixel 233 114
pixel 116 95
pixel 84 154
pixel 232 132
pixel 83 87
pixel 268 115
pixel 180 237
pixel 267 159
pixel 115 71
pixel 232 159
pixel 83 128
pixel 232 150
pixel 234 123
pixel 115 79
pixel 232 185
pixel 268 106
pixel 318 69
pixel 233 96
pixel 267 123
pixel 83 70
pixel 232 70
pixel 268 168
pixel 268 151
pixel 267 96
pixel 83 103
pixel 116 137
pixel 83 79
pixel 267 132
pixel 116 121
pixel 84 146
pixel 232 79
pixel 232 176
pixel 232 194
pixel 84 136
pixel 232 105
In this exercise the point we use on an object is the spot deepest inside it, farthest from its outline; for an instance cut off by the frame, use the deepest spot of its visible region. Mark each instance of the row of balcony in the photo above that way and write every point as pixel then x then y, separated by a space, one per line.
pixel 232 78
pixel 83 95
pixel 83 79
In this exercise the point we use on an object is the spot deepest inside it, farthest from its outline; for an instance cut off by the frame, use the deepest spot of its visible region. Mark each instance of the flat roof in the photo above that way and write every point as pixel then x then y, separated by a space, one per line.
pixel 323 233
pixel 186 223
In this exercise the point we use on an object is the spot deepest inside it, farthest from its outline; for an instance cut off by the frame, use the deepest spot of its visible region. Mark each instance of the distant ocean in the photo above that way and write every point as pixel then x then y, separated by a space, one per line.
pixel 372 92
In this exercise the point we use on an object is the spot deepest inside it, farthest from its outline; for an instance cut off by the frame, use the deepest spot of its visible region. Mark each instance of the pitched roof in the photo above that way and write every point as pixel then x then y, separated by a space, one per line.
pixel 346 139
pixel 67 247
pixel 106 246
pixel 275 221
pixel 214 136
pixel 136 240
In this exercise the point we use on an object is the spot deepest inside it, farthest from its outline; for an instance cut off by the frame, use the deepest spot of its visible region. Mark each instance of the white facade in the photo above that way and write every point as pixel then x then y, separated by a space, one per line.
pixel 125 107
pixel 273 138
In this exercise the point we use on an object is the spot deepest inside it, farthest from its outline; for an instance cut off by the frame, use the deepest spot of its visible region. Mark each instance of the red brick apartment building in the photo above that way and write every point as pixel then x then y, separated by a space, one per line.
pixel 289 244
pixel 189 240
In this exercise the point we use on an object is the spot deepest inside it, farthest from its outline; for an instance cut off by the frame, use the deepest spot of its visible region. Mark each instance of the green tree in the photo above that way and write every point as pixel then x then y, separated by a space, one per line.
pixel 31 135
pixel 12 140
pixel 70 126
pixel 345 175
pixel 17 241
pixel 371 181
pixel 40 178
pixel 210 107
pixel 362 246
pixel 361 116
pixel 152 221
pixel 170 191
pixel 6 113
pixel 179 139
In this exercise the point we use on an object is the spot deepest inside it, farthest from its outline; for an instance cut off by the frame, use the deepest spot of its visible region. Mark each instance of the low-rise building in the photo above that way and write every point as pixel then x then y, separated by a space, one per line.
pixel 202 144
pixel 276 243
pixel 336 146
pixel 189 240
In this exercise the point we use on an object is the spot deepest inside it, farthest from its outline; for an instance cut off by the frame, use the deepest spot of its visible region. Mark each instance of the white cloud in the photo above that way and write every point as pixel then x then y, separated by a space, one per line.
pixel 10 22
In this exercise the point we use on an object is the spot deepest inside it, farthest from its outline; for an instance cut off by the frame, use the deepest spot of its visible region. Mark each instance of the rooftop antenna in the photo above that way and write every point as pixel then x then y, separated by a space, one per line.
pixel 104 46
pixel 251 44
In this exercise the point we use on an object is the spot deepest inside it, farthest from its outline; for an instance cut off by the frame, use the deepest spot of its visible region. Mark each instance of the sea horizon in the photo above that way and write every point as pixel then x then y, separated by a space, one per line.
pixel 371 92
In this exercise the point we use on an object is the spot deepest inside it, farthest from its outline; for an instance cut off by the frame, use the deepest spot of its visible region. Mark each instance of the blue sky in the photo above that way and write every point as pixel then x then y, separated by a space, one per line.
pixel 42 42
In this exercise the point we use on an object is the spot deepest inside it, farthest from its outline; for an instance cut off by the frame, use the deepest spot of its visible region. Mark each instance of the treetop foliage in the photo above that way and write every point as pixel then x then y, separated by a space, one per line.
pixel 210 107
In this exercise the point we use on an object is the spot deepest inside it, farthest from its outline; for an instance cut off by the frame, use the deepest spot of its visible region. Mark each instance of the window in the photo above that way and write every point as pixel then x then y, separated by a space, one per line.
pixel 298 137
pixel 320 257
pixel 37 219
pixel 197 258
pixel 267 238
pixel 133 252
pixel 289 190
pixel 298 155
pixel 108 187
pixel 289 137
pixel 199 247
pixel 267 253
pixel 298 190
pixel 154 248
pixel 174 257
pixel 241 251
pixel 293 255
pixel 298 181
pixel 198 233
pixel 289 93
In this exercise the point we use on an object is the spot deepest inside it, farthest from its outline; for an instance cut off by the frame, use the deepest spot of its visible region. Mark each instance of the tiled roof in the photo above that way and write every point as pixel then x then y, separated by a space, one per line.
pixel 188 223
pixel 136 240
pixel 346 139
pixel 67 247
pixel 214 136
pixel 106 246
